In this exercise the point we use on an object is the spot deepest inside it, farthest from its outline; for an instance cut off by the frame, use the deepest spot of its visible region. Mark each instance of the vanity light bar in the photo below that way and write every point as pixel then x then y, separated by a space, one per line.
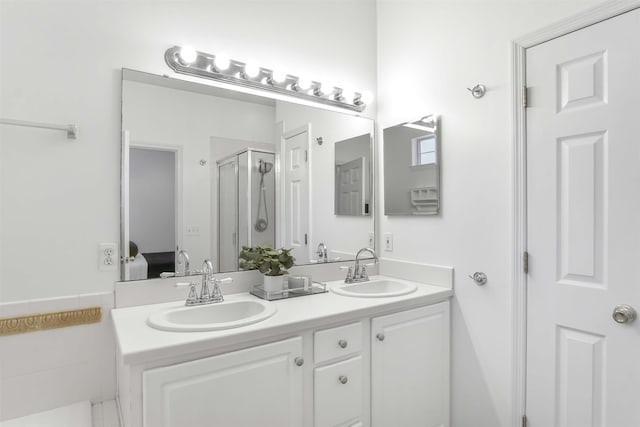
pixel 426 123
pixel 186 60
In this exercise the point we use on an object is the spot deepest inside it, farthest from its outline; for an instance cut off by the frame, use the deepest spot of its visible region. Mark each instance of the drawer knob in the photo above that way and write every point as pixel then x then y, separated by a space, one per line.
pixel 299 361
pixel 343 379
pixel 380 336
pixel 342 343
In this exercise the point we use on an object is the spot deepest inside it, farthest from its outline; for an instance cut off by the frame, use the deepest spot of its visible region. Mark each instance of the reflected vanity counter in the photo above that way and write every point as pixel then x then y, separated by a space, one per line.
pixel 305 329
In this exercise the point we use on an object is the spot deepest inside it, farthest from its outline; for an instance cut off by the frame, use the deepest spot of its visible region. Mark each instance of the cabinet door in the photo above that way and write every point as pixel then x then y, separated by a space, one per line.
pixel 258 386
pixel 338 392
pixel 410 368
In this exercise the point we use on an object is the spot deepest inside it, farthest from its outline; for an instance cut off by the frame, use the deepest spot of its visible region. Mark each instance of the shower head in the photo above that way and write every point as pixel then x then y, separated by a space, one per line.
pixel 264 167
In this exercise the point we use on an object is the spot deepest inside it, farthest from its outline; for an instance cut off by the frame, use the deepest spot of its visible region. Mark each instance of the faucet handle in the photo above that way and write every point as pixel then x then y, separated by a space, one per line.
pixel 350 274
pixel 192 298
pixel 363 272
pixel 216 293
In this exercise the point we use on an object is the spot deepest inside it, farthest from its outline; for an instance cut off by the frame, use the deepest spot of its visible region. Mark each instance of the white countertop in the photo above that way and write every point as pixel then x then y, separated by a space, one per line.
pixel 140 343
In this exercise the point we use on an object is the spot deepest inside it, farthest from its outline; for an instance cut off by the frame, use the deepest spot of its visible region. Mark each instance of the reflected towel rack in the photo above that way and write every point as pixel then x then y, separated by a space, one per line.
pixel 72 130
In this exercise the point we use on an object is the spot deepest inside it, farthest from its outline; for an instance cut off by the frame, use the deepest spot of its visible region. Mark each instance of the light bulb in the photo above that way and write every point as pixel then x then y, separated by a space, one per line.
pixel 278 76
pixel 347 95
pixel 328 88
pixel 366 97
pixel 222 61
pixel 188 54
pixel 251 70
pixel 303 84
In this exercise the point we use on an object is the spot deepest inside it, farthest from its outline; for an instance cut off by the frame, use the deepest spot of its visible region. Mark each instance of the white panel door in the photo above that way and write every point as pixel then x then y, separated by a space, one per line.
pixel 295 166
pixel 583 157
pixel 350 194
pixel 259 386
pixel 410 368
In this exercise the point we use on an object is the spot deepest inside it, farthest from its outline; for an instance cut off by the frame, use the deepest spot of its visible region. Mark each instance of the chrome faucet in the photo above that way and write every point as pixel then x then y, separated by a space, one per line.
pixel 322 252
pixel 358 273
pixel 183 255
pixel 206 296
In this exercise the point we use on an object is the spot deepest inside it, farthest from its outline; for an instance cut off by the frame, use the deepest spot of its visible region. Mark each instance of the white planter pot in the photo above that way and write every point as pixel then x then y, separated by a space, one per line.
pixel 273 283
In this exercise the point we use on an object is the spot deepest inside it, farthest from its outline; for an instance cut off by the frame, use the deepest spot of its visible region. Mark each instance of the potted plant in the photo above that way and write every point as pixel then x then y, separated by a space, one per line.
pixel 272 263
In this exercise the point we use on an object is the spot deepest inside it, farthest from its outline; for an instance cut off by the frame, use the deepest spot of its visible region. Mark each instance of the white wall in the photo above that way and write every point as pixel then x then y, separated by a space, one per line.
pixel 428 54
pixel 47 369
pixel 60 62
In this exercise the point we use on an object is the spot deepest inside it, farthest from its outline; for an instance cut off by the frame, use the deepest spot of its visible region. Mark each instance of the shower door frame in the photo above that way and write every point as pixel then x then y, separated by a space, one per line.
pixel 230 159
pixel 234 158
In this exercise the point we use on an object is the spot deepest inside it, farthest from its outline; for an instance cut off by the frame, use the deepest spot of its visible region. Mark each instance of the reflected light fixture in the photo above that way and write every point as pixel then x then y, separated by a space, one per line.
pixel 303 84
pixel 279 76
pixel 187 60
pixel 187 54
pixel 251 71
pixel 222 61
pixel 419 127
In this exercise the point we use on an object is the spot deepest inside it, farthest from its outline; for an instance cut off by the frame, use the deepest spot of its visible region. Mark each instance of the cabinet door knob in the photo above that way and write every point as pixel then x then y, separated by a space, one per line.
pixel 380 336
pixel 342 343
pixel 299 361
pixel 343 379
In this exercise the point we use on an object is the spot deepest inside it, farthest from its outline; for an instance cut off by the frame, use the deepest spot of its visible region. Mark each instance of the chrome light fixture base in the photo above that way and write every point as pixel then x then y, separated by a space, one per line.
pixel 204 66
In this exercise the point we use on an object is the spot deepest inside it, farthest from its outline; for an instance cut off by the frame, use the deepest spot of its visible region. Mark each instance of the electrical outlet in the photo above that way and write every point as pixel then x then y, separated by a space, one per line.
pixel 107 256
pixel 388 242
pixel 372 239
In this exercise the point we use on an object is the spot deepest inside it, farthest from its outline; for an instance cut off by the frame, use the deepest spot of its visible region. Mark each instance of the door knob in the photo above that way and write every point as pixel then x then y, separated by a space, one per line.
pixel 299 361
pixel 624 313
pixel 380 336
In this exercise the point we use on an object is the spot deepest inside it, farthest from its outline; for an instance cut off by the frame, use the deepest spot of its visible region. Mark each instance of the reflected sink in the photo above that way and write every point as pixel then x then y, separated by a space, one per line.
pixel 374 289
pixel 212 317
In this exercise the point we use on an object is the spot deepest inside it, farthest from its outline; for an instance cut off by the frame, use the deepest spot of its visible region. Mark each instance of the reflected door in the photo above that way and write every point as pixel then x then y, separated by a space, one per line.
pixel 583 368
pixel 350 194
pixel 296 181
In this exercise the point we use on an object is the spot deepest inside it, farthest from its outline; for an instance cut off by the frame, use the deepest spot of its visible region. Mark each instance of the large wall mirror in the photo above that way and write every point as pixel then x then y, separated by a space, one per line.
pixel 412 167
pixel 208 170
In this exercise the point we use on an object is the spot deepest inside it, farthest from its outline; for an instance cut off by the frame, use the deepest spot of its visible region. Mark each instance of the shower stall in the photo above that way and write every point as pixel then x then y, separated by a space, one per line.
pixel 246 204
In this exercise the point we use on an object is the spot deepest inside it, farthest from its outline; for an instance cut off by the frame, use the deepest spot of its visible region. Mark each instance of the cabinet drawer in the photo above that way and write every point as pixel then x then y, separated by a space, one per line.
pixel 337 342
pixel 338 393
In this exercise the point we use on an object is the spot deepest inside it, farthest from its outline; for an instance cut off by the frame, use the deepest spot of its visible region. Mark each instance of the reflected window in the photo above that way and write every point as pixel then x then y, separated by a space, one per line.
pixel 424 150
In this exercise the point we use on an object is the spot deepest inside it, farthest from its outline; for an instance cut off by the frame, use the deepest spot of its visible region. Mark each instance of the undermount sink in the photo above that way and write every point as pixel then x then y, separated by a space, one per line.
pixel 212 317
pixel 374 289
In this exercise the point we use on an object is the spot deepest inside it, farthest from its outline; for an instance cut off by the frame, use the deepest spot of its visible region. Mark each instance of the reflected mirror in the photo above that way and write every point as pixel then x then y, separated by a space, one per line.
pixel 207 170
pixel 353 176
pixel 412 167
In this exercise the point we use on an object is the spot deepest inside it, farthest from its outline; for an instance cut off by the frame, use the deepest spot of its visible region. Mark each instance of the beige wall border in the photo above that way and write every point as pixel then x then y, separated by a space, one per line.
pixel 43 321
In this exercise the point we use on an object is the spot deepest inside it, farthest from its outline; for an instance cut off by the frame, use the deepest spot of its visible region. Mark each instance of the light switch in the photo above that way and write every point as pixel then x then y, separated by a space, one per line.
pixel 388 242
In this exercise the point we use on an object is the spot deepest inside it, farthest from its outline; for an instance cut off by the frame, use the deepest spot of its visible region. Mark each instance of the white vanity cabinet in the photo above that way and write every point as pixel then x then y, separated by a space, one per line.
pixel 339 376
pixel 379 369
pixel 410 368
pixel 258 386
